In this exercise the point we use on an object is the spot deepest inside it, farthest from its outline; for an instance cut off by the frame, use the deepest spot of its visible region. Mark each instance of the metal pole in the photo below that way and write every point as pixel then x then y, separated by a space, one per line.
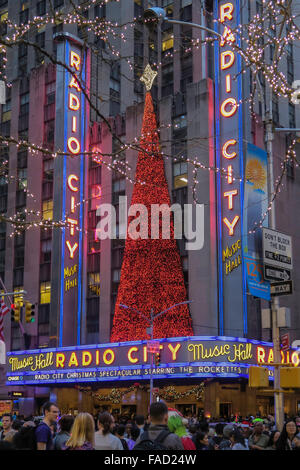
pixel 278 394
pixel 194 25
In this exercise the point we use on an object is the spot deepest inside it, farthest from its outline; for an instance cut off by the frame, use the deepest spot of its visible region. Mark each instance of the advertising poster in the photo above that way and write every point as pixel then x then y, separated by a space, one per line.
pixel 255 207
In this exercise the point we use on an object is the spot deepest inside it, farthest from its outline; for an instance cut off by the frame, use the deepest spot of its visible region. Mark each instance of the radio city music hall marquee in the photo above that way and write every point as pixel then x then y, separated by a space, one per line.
pixel 180 357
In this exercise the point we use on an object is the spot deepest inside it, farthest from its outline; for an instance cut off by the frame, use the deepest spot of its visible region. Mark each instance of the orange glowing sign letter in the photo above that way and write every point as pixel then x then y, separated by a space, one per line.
pixel 226 11
pixel 70 184
pixel 60 360
pixel 74 102
pixel 229 176
pixel 73 360
pixel 108 352
pixel 75 60
pixel 72 249
pixel 225 63
pixel 231 225
pixel 74 84
pixel 86 358
pixel 73 145
pixel 130 358
pixel 230 195
pixel 227 144
pixel 174 350
pixel 233 107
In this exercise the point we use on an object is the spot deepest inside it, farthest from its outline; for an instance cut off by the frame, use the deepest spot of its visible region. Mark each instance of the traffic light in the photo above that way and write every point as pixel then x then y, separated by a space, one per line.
pixel 15 310
pixel 157 359
pixel 289 377
pixel 258 377
pixel 29 312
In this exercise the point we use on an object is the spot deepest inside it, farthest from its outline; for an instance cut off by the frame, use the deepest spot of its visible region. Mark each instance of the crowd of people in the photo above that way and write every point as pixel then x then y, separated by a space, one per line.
pixel 163 429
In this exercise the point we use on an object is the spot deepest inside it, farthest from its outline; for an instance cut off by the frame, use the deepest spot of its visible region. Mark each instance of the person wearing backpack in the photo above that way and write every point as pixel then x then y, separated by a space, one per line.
pixel 158 436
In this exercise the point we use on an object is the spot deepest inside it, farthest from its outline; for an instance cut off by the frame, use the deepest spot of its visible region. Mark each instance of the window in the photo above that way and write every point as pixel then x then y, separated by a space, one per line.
pixel 3 24
pixel 18 297
pixel 19 257
pixel 45 293
pixel 119 185
pixel 48 210
pixel 58 3
pixel 179 122
pixel 292 115
pixel 23 17
pixel 22 178
pixel 100 11
pixel 24 104
pixel 180 175
pixel 93 284
pixel 41 8
pixel 116 275
pixel 6 111
pixel 46 249
pixel 167 42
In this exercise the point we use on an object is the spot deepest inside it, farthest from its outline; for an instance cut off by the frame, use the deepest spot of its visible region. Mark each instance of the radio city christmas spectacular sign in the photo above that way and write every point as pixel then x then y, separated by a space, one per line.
pixel 180 357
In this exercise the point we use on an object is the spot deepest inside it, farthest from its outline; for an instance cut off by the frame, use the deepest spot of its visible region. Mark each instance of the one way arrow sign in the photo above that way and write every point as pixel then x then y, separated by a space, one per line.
pixel 272 273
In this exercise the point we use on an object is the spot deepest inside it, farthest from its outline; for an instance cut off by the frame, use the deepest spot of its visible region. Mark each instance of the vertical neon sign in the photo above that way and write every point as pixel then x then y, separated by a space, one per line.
pixel 68 198
pixel 229 157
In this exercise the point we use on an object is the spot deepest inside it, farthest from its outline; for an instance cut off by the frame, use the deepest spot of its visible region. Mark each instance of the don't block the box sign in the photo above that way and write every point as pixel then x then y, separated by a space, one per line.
pixel 229 158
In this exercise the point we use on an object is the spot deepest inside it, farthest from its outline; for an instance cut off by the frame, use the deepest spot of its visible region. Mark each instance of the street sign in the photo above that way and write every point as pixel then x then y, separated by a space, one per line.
pixel 282 288
pixel 272 273
pixel 285 342
pixel 153 347
pixel 277 249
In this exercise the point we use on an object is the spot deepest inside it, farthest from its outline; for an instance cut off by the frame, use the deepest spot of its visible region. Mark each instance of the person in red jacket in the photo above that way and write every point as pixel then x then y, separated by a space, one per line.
pixel 176 426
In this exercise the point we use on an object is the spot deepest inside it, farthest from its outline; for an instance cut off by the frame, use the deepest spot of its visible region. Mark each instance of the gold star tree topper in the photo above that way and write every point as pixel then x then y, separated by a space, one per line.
pixel 148 77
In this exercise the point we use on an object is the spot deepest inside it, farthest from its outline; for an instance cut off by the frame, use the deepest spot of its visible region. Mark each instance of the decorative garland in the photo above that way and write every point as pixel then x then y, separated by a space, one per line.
pixel 171 394
pixel 115 396
pixel 168 394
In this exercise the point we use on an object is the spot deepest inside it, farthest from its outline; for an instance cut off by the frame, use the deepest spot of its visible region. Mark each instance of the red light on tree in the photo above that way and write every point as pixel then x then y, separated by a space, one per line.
pixel 151 274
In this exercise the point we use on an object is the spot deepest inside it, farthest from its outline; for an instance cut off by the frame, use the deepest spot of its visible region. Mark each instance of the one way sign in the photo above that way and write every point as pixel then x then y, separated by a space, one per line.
pixel 273 273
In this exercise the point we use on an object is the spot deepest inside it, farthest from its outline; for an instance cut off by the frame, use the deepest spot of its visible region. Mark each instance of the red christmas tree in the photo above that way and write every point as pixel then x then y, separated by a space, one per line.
pixel 151 274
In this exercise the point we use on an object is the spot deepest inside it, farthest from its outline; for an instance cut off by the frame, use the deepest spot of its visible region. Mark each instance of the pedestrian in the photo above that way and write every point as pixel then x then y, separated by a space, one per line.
pixel 6 425
pixel 134 434
pixel 176 426
pixel 273 439
pixel 287 439
pixel 158 435
pixel 218 437
pixel 237 440
pixel 119 432
pixel 225 443
pixel 140 422
pixel 43 432
pixel 201 440
pixel 83 433
pixel 10 435
pixel 104 439
pixel 65 425
pixel 258 440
